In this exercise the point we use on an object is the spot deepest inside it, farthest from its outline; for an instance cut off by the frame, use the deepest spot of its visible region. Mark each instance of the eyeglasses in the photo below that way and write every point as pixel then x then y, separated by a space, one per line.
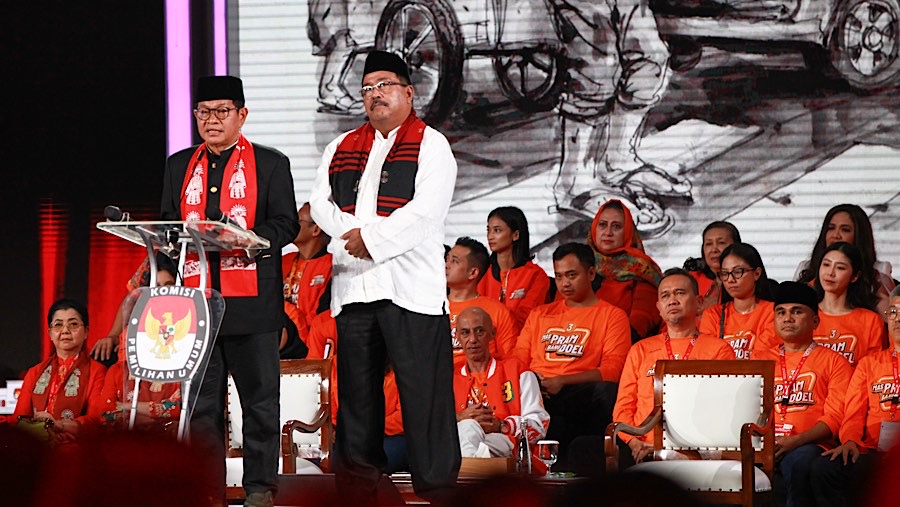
pixel 736 273
pixel 892 313
pixel 366 91
pixel 58 327
pixel 220 112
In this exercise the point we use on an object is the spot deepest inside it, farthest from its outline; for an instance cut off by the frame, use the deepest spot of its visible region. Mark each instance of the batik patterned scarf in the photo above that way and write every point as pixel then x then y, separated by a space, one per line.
pixel 237 271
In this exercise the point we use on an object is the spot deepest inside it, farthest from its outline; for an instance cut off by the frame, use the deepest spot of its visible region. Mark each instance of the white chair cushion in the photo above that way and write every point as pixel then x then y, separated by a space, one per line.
pixel 707 411
pixel 703 475
pixel 234 470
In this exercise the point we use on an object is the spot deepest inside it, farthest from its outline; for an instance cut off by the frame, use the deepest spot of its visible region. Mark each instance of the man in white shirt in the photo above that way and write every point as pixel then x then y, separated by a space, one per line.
pixel 383 191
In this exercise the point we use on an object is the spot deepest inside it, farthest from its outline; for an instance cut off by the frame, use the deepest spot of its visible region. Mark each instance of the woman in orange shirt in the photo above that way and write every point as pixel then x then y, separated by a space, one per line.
pixel 849 223
pixel 514 279
pixel 847 323
pixel 717 236
pixel 628 276
pixel 746 318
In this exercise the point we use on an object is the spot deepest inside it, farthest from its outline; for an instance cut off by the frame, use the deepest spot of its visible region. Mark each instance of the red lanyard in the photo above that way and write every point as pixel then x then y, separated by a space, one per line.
pixel 504 279
pixel 895 399
pixel 788 384
pixel 687 351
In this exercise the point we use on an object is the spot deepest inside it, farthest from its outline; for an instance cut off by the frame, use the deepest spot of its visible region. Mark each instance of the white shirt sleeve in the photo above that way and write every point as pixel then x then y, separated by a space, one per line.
pixel 422 216
pixel 534 417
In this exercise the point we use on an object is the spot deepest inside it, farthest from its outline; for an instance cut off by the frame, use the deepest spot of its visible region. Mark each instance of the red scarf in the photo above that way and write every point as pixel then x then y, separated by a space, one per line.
pixel 61 388
pixel 398 173
pixel 237 271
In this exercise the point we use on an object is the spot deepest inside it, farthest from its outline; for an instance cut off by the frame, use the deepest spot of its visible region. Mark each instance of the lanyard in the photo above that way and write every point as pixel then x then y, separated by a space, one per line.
pixel 895 399
pixel 504 280
pixel 289 284
pixel 788 384
pixel 687 351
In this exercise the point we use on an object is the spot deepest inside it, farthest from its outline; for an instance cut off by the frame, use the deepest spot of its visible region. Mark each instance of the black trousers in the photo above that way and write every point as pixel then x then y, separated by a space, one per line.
pixel 579 410
pixel 419 349
pixel 253 362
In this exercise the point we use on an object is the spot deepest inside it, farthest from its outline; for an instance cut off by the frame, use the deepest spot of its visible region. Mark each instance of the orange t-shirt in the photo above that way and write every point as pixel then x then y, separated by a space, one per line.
pixel 868 400
pixel 637 298
pixel 559 340
pixel 305 282
pixel 522 289
pixel 635 399
pixel 393 417
pixel 505 327
pixel 744 332
pixel 854 335
pixel 818 392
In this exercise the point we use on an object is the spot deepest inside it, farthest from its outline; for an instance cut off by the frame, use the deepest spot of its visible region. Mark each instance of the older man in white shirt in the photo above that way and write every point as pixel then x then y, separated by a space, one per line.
pixel 383 191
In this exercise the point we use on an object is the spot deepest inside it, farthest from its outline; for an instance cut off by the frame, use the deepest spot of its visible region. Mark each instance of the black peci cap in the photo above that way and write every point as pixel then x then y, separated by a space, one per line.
pixel 382 60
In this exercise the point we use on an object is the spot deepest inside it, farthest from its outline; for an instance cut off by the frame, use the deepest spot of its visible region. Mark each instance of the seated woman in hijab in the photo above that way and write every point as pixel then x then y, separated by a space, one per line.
pixel 62 391
pixel 628 276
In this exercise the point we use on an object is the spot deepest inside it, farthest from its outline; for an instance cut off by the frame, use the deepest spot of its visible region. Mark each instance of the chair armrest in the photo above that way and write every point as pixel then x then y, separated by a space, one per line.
pixel 319 419
pixel 748 453
pixel 288 454
pixel 611 447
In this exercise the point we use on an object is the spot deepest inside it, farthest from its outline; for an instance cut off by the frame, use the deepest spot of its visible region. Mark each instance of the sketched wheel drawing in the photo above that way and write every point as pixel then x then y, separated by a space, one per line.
pixel 427 35
pixel 529 77
pixel 865 44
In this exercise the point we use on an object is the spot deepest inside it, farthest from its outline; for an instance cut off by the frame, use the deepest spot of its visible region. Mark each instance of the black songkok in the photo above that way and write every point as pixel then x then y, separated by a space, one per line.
pixel 795 292
pixel 382 60
pixel 219 88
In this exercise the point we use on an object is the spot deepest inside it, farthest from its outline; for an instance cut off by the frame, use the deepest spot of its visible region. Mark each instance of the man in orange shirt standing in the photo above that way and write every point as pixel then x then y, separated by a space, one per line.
pixel 466 264
pixel 577 347
pixel 679 304
pixel 870 424
pixel 810 382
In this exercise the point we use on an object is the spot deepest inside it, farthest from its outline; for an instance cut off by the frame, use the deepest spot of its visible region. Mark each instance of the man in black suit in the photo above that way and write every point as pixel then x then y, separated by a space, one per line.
pixel 252 185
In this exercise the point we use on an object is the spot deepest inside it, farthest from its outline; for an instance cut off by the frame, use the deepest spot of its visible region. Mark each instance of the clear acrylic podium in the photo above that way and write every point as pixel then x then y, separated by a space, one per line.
pixel 170 331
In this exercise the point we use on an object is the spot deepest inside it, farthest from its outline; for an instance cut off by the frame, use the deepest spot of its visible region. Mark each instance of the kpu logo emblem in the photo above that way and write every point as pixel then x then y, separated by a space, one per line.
pixel 167 334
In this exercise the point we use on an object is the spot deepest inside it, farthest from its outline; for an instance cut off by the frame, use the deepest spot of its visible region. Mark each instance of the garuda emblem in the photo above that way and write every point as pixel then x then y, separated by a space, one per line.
pixel 166 333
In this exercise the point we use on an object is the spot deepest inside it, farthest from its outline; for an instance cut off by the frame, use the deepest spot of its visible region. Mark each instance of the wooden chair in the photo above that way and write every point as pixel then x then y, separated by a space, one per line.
pixel 715 418
pixel 307 432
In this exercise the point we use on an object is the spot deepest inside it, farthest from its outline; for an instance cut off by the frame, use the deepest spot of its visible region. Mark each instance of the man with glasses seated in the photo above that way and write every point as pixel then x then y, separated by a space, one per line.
pixel 63 391
pixel 870 426
pixel 228 177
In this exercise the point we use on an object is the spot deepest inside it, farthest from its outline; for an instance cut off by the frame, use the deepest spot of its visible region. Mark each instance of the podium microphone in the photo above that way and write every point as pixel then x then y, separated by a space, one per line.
pixel 218 215
pixel 114 214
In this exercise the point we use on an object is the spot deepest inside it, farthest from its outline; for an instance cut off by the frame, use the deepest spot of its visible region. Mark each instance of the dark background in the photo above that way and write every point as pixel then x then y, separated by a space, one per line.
pixel 86 125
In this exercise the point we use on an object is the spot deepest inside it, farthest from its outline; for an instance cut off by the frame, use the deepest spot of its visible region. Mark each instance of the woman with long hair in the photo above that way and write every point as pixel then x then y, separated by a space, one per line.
pixel 847 323
pixel 746 317
pixel 628 276
pixel 717 236
pixel 849 223
pixel 514 279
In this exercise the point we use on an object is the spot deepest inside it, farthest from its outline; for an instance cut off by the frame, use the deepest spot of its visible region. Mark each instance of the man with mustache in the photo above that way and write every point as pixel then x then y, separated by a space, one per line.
pixel 227 176
pixel 382 193
pixel 810 382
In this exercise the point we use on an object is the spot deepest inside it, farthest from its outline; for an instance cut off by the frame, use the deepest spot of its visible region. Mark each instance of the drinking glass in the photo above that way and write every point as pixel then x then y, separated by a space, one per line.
pixel 548 451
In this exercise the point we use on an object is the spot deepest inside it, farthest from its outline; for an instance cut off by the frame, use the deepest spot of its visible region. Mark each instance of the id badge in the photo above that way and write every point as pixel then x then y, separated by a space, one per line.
pixel 889 435
pixel 783 429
